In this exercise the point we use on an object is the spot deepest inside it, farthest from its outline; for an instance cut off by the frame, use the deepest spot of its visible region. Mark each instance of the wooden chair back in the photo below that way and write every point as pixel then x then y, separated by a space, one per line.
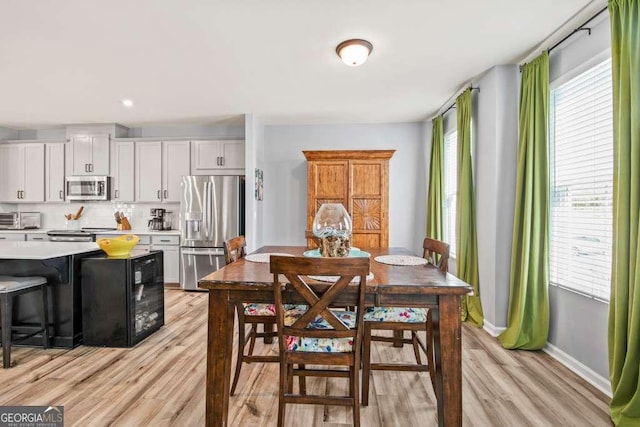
pixel 343 270
pixel 312 240
pixel 437 253
pixel 234 249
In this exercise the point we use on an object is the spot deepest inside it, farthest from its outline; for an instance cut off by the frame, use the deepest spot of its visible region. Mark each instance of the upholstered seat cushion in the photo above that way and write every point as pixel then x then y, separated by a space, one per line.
pixel 395 314
pixel 14 283
pixel 256 309
pixel 320 345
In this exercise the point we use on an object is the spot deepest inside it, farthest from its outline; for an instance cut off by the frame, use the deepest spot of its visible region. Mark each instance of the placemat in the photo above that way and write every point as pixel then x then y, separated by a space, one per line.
pixel 335 278
pixel 264 257
pixel 400 260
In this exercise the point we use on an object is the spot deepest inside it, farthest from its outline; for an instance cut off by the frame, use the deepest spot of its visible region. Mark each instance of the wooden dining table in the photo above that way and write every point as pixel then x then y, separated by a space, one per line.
pixel 392 285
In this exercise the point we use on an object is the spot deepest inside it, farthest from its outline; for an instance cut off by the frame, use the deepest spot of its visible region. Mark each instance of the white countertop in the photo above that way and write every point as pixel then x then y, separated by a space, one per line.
pixel 44 250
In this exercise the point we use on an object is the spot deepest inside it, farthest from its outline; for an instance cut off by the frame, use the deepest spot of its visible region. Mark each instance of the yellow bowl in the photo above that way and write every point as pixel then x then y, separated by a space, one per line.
pixel 118 246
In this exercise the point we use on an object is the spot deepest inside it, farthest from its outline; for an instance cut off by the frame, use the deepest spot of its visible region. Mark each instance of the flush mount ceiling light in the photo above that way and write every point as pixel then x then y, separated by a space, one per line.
pixel 354 52
pixel 127 103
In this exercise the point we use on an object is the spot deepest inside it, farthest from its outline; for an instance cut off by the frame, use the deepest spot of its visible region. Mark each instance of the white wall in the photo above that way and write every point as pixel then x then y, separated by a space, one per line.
pixel 254 159
pixel 495 160
pixel 285 177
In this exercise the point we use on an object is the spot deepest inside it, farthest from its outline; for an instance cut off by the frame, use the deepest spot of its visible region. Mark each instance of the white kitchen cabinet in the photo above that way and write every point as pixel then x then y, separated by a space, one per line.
pixel 170 245
pixel 122 171
pixel 13 237
pixel 22 173
pixel 54 172
pixel 159 168
pixel 175 165
pixel 89 154
pixel 216 157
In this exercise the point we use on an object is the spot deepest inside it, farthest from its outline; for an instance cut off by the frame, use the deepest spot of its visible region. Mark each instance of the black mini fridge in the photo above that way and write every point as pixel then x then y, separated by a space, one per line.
pixel 122 298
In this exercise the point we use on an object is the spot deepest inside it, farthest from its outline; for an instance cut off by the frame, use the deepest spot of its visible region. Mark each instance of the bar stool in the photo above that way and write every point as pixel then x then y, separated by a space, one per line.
pixel 10 287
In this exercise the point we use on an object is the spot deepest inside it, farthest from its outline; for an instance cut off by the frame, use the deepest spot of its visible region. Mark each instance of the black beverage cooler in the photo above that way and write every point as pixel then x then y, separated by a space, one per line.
pixel 122 298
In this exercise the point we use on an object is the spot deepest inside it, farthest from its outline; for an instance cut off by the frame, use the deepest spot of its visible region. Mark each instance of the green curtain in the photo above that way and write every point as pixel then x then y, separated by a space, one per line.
pixel 624 307
pixel 435 198
pixel 528 314
pixel 466 241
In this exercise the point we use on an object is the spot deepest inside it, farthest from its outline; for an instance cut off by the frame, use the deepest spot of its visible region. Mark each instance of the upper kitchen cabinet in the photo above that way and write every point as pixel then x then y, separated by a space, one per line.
pixel 89 154
pixel 54 172
pixel 159 168
pixel 22 172
pixel 360 181
pixel 217 157
pixel 122 171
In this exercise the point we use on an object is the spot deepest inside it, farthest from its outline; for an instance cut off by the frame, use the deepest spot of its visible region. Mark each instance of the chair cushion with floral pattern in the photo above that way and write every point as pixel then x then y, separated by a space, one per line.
pixel 257 309
pixel 320 345
pixel 395 314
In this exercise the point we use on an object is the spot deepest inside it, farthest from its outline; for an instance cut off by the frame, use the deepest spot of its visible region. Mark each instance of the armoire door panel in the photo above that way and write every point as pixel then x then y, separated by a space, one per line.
pixel 366 214
pixel 363 240
pixel 366 179
pixel 331 180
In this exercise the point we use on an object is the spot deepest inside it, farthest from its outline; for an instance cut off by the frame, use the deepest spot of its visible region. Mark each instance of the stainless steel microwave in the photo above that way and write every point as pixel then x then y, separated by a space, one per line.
pixel 88 187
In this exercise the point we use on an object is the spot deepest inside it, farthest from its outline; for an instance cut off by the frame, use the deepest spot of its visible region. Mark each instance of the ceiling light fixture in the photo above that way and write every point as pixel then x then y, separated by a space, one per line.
pixel 128 103
pixel 354 52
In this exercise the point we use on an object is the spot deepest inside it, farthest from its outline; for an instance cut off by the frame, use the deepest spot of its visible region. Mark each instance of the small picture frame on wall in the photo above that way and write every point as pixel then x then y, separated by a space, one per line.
pixel 259 184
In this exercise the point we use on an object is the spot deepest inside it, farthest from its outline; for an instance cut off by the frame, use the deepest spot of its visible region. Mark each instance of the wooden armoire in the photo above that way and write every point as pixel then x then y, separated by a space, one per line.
pixel 359 179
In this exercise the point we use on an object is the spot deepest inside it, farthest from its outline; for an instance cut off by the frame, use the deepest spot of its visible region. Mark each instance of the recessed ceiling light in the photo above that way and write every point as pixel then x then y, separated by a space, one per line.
pixel 354 52
pixel 128 103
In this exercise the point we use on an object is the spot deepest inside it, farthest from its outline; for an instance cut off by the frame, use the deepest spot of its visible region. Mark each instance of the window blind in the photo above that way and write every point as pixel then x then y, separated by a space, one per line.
pixel 581 166
pixel 450 189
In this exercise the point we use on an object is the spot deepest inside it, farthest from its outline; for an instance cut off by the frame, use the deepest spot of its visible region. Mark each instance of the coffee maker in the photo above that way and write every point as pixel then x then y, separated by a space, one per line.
pixel 156 223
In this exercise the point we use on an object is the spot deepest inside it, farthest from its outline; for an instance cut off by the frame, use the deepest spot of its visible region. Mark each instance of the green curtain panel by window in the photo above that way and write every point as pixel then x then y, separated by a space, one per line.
pixel 624 307
pixel 528 314
pixel 466 241
pixel 435 199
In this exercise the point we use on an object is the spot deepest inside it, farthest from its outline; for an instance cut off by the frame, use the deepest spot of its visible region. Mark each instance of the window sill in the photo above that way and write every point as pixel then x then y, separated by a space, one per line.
pixel 593 297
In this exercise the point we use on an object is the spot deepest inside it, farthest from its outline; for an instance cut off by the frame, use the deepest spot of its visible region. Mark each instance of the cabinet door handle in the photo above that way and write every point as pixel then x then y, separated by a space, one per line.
pixel 61 195
pixel 37 238
pixel 86 167
pixel 166 194
pixel 17 194
pixel 90 167
pixel 159 194
pixel 165 240
pixel 3 238
pixel 222 161
pixel 116 194
pixel 218 161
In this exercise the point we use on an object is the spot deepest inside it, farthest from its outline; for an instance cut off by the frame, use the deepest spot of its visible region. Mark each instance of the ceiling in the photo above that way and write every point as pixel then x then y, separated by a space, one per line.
pixel 199 61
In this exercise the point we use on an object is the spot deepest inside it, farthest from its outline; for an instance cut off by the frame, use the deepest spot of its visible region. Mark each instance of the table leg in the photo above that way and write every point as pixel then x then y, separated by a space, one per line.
pixel 219 350
pixel 268 327
pixel 448 343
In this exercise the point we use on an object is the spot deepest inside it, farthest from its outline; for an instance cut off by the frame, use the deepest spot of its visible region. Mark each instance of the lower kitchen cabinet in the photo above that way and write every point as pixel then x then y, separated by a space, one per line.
pixel 170 245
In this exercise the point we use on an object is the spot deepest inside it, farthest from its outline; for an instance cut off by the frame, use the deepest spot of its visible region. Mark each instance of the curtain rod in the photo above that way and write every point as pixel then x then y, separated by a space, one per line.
pixel 454 103
pixel 581 27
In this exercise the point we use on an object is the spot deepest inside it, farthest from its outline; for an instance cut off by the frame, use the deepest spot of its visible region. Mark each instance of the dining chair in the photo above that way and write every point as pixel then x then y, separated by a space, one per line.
pixel 254 314
pixel 319 336
pixel 400 319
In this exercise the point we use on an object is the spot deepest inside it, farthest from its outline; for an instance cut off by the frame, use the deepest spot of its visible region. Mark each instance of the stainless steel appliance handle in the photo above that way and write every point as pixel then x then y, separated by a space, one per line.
pixel 207 211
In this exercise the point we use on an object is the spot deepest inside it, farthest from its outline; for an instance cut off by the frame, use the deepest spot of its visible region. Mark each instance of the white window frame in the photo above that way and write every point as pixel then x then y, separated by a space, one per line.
pixel 572 269
pixel 450 192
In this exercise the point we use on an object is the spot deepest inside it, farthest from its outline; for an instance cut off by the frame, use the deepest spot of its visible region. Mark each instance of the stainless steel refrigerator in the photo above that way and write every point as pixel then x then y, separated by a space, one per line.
pixel 211 211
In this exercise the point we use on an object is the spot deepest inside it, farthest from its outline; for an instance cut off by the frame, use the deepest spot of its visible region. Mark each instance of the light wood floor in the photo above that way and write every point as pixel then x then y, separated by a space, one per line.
pixel 161 382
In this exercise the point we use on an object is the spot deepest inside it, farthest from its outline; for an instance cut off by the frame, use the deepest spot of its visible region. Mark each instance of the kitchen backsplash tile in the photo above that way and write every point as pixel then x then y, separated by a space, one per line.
pixel 95 214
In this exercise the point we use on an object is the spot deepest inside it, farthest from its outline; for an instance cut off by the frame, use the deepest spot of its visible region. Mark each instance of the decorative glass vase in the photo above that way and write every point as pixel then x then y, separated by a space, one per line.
pixel 332 225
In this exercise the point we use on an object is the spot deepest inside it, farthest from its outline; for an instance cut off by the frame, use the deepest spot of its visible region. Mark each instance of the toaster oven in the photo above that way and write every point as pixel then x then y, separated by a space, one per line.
pixel 19 220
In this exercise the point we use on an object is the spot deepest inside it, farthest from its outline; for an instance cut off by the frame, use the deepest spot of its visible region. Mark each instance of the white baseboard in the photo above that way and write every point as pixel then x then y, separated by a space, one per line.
pixel 491 329
pixel 598 381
